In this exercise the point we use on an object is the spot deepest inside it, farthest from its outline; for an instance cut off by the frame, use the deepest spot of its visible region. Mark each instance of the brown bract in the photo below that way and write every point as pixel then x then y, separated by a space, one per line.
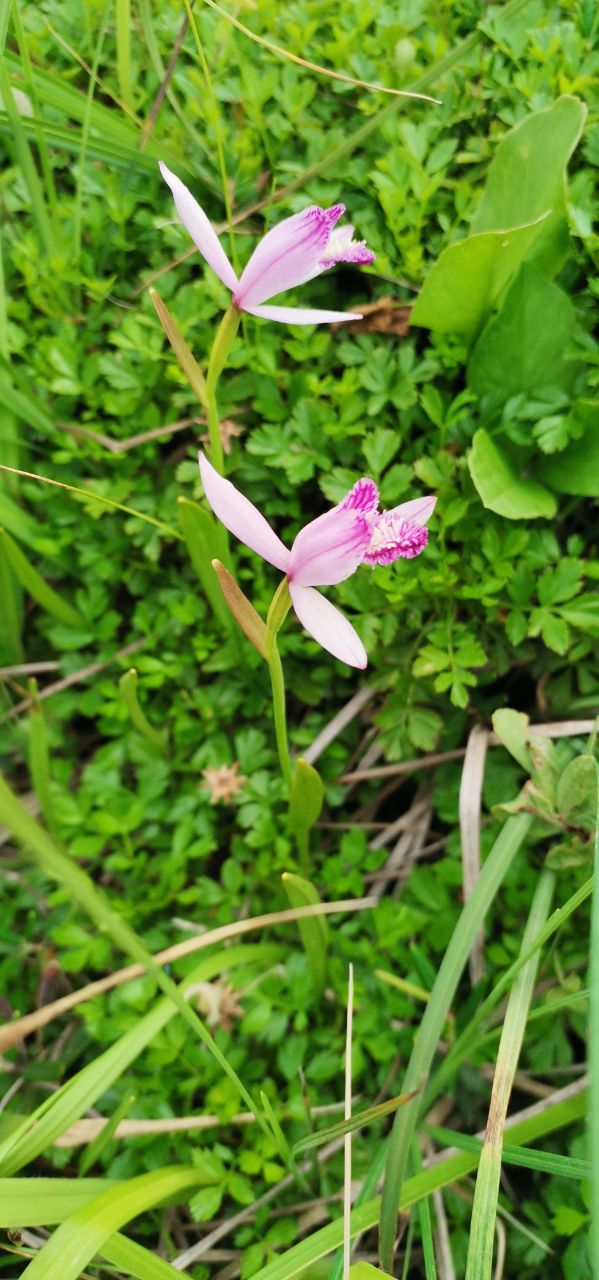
pixel 386 315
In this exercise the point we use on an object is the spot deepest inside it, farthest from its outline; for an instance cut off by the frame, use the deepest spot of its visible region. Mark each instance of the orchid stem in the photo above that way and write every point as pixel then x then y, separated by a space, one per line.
pixel 279 608
pixel 278 702
pixel 221 346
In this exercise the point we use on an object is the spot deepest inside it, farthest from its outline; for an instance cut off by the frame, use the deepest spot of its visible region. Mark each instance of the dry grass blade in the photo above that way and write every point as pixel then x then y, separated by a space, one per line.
pixel 84 673
pixel 412 828
pixel 471 786
pixel 339 722
pixel 314 66
pixel 82 1132
pixel 13 1032
pixel 553 729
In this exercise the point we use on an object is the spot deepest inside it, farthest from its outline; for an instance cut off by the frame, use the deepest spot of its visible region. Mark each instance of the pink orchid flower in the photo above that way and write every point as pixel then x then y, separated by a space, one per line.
pixel 292 252
pixel 326 551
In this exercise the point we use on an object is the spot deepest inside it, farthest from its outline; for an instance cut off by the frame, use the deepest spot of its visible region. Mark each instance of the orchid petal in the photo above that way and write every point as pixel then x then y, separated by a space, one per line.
pixel 301 315
pixel 286 256
pixel 419 510
pixel 200 229
pixel 330 548
pixel 327 625
pixel 241 517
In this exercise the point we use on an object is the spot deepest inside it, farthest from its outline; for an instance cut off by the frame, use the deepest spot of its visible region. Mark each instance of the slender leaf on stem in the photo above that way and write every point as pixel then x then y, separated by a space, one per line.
pixel 305 805
pixel 498 863
pixel 92 497
pixel 128 688
pixel 314 932
pixel 205 540
pixel 37 587
pixel 479 1263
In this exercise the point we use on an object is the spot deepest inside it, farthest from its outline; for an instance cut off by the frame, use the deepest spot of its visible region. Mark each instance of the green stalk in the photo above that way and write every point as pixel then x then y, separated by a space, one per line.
pixel 220 349
pixel 479 1264
pixel 593 1129
pixel 493 873
pixel 280 606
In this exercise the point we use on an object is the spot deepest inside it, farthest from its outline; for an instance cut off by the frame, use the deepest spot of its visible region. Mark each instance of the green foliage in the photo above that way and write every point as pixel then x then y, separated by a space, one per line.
pixel 489 401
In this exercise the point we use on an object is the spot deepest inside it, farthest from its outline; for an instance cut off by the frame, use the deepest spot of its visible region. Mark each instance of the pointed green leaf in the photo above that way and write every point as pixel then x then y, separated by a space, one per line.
pixel 37 587
pixel 314 932
pixel 204 539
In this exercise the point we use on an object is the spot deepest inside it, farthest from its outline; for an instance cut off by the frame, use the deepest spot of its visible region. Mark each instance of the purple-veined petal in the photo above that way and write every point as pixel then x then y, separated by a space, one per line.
pixel 419 510
pixel 200 229
pixel 241 517
pixel 327 625
pixel 286 256
pixel 301 315
pixel 363 497
pixel 330 548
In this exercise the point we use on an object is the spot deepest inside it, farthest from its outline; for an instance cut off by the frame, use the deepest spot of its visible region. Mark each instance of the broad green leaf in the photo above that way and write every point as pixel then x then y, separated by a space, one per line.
pixel 521 348
pixel 577 791
pixel 78 1239
pixel 314 932
pixel 527 177
pixel 365 1271
pixel 305 804
pixel 55 1199
pixel 512 728
pixel 576 469
pixel 468 278
pixel 205 541
pixel 37 587
pixel 501 488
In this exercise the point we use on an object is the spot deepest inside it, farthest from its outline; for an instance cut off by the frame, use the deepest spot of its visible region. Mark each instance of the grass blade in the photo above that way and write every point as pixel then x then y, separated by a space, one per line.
pixel 350 1126
pixel 494 870
pixel 594 1064
pixel 36 1132
pixel 479 1262
pixel 89 495
pixel 27 165
pixel 322 1242
pixel 123 51
pixel 541 1161
pixel 78 1239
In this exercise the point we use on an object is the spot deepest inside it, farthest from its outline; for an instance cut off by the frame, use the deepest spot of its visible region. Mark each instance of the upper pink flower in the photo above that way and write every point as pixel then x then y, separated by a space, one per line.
pixel 326 551
pixel 292 252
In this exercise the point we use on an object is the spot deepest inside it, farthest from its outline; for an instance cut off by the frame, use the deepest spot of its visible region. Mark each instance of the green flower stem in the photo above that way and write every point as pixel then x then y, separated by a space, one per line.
pixel 280 606
pixel 220 349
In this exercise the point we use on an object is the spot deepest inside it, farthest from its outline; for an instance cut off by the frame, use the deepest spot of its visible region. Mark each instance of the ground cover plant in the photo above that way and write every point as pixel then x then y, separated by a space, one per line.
pixel 390 786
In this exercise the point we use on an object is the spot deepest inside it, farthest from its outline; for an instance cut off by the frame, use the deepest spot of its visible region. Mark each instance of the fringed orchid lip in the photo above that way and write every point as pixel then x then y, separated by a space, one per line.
pixel 326 551
pixel 291 253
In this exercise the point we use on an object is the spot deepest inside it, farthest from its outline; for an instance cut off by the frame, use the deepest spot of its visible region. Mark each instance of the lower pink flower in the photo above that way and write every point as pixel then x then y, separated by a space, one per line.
pixel 326 551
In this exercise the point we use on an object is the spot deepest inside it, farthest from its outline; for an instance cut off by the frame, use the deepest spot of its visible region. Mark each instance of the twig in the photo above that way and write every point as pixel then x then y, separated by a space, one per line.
pixel 13 1032
pixel 28 669
pixel 554 729
pixel 339 723
pixel 132 442
pixel 84 673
